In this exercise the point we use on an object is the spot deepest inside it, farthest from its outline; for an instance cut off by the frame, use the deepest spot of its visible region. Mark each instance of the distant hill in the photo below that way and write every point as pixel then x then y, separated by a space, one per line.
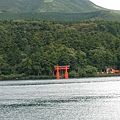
pixel 66 10
pixel 63 6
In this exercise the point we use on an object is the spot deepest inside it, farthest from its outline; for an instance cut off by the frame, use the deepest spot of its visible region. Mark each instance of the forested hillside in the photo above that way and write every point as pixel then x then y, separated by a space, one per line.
pixel 33 47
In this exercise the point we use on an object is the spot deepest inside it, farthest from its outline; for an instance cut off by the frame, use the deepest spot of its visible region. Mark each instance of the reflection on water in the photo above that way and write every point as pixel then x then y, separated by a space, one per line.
pixel 72 99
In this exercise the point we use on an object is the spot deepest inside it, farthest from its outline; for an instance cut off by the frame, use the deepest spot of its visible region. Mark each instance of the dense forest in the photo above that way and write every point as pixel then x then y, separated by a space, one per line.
pixel 33 47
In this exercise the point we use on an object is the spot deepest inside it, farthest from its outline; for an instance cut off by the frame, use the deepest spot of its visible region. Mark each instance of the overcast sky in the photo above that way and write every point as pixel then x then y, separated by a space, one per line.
pixel 110 4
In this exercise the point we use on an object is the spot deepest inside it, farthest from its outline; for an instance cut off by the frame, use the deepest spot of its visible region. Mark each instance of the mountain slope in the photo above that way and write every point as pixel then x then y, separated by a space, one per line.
pixel 63 6
pixel 98 15
pixel 65 10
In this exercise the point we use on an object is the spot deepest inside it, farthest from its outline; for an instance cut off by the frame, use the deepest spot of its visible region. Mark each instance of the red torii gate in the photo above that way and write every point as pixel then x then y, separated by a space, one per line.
pixel 58 68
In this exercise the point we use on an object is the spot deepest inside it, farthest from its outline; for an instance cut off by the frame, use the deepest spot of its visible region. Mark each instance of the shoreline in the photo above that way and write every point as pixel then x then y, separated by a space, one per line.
pixel 45 77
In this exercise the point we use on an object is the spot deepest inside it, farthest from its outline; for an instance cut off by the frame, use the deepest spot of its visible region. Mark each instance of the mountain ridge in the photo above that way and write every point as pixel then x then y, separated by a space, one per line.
pixel 67 6
pixel 65 10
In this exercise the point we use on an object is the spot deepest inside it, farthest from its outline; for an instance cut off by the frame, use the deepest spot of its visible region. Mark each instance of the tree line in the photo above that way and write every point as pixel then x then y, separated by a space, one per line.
pixel 33 47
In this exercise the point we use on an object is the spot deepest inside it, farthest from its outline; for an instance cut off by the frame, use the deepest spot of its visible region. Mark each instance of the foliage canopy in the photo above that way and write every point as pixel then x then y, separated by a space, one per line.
pixel 33 47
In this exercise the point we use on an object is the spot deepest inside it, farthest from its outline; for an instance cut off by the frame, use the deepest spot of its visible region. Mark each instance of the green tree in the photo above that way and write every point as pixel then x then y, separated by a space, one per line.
pixel 97 58
pixel 88 71
pixel 25 67
pixel 12 55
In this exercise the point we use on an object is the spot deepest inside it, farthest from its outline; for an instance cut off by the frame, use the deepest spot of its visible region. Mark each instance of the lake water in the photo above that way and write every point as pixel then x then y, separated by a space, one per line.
pixel 72 99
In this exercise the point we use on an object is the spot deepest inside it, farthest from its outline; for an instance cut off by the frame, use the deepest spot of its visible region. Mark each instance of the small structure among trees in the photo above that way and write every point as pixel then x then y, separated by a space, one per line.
pixel 111 70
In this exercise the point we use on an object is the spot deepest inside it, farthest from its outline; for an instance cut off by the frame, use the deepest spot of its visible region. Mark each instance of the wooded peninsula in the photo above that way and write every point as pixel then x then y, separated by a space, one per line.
pixel 29 49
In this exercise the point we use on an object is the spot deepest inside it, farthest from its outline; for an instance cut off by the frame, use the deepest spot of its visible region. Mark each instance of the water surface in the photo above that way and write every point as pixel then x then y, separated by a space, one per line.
pixel 72 99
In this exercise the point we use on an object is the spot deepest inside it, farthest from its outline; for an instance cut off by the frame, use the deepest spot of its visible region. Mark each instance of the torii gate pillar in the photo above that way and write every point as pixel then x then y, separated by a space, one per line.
pixel 58 68
pixel 66 72
pixel 57 72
